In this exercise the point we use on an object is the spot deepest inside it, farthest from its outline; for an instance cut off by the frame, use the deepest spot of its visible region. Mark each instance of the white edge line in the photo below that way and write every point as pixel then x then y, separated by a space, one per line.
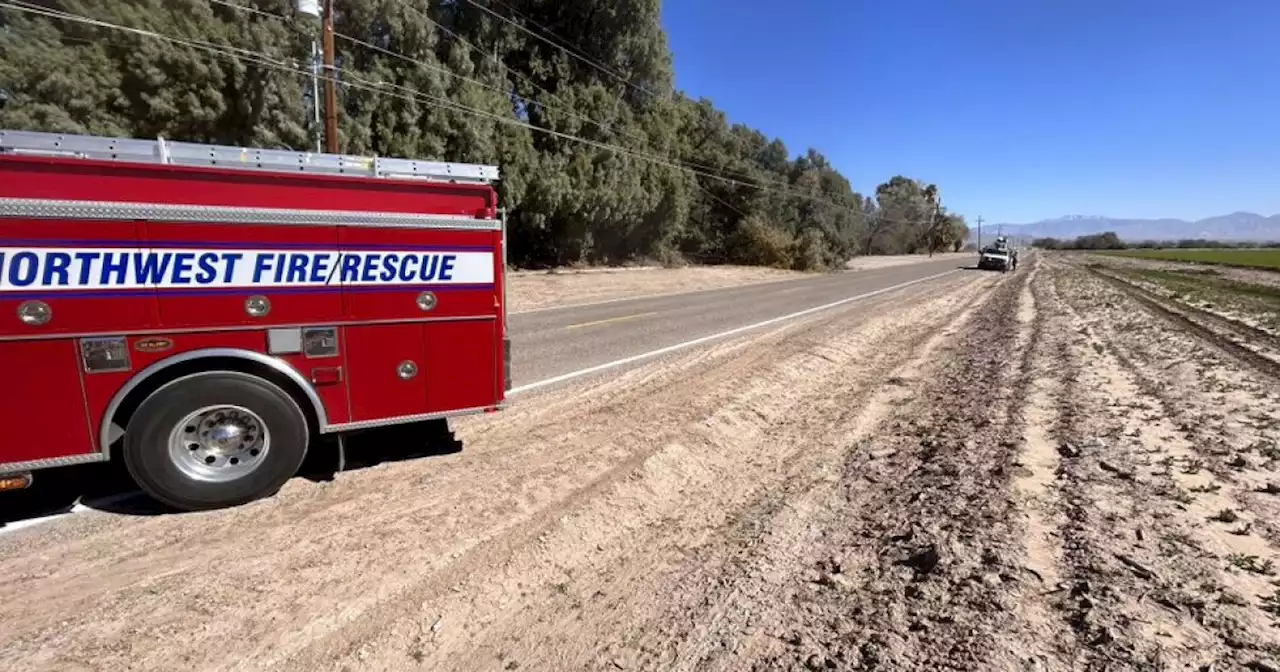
pixel 723 334
pixel 16 525
pixel 108 500
pixel 79 507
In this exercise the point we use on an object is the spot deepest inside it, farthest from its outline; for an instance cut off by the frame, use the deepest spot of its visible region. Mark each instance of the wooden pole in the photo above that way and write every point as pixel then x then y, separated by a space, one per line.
pixel 331 76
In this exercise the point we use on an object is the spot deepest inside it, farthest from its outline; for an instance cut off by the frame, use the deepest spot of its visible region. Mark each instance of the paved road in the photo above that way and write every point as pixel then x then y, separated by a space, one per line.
pixel 554 342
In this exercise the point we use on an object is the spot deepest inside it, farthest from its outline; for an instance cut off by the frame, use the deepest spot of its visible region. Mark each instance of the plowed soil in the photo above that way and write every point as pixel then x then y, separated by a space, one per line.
pixel 1027 471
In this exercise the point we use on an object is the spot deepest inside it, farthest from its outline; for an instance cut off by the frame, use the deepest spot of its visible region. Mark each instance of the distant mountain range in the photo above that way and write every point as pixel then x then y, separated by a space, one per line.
pixel 1237 226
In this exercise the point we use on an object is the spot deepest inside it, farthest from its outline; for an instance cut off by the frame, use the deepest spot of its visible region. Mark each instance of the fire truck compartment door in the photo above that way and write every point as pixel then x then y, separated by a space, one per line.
pixel 44 410
pixel 462 363
pixel 386 371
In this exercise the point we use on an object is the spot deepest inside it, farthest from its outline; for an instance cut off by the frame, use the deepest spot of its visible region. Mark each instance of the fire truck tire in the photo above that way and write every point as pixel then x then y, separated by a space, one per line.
pixel 216 439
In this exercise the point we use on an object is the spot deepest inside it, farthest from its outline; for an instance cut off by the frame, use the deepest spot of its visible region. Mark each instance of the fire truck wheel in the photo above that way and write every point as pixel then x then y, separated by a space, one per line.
pixel 215 439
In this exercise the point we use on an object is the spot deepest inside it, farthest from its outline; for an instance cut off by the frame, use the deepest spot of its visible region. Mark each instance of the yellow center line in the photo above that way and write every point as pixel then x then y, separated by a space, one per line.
pixel 610 320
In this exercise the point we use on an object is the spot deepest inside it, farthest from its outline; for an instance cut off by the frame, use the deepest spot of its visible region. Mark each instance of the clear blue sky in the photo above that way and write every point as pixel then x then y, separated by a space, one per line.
pixel 1018 109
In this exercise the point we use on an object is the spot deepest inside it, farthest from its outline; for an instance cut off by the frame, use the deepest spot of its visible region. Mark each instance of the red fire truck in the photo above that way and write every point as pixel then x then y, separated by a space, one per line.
pixel 205 313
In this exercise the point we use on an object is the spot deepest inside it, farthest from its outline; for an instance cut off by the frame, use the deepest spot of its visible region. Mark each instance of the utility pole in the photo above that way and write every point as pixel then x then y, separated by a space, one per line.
pixel 331 76
pixel 979 233
pixel 933 226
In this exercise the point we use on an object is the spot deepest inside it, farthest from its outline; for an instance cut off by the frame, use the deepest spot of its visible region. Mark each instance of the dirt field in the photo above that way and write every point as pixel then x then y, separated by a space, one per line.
pixel 1042 470
pixel 1242 301
pixel 1266 259
pixel 1251 276
pixel 534 290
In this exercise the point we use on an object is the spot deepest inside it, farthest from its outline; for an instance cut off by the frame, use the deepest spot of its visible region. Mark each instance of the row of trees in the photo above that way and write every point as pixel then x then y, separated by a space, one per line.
pixel 1200 244
pixel 1097 241
pixel 1111 241
pixel 602 160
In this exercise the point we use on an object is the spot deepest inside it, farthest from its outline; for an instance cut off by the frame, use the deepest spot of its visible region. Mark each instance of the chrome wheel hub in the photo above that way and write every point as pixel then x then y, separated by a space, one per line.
pixel 219 443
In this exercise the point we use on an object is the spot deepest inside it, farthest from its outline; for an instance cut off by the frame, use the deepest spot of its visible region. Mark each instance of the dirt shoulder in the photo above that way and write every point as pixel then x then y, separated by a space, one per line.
pixel 536 290
pixel 886 261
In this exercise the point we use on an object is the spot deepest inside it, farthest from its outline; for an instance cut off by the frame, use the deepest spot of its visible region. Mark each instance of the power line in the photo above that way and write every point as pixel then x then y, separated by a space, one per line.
pixel 782 186
pixel 420 63
pixel 584 59
pixel 580 56
pixel 604 126
pixel 719 200
pixel 541 27
pixel 255 56
pixel 577 54
pixel 380 88
pixel 364 43
pixel 446 30
pixel 743 178
pixel 566 44
pixel 251 10
pixel 361 83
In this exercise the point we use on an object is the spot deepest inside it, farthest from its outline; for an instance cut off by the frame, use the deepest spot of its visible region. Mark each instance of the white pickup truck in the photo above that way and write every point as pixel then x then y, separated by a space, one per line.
pixel 999 256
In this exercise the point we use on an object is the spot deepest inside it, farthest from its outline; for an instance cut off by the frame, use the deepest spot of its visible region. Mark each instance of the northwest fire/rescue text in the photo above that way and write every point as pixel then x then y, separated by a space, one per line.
pixel 94 268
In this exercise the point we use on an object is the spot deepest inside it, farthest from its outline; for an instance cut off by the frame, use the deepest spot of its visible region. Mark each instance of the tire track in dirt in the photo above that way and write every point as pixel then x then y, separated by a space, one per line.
pixel 1079 500
pixel 923 569
pixel 559 601
pixel 1041 501
pixel 1146 585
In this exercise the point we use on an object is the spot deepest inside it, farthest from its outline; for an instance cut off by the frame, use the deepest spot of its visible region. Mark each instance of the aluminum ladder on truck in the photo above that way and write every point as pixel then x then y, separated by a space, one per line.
pixel 163 151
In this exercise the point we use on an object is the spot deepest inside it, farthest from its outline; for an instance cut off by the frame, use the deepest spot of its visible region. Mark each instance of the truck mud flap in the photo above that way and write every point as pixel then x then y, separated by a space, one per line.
pixel 506 363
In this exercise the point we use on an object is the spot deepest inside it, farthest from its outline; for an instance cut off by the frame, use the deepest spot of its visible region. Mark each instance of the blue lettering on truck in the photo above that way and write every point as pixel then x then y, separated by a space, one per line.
pixel 53 269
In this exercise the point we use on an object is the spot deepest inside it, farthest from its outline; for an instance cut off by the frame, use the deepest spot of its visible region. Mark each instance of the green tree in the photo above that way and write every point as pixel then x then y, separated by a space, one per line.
pixel 459 81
